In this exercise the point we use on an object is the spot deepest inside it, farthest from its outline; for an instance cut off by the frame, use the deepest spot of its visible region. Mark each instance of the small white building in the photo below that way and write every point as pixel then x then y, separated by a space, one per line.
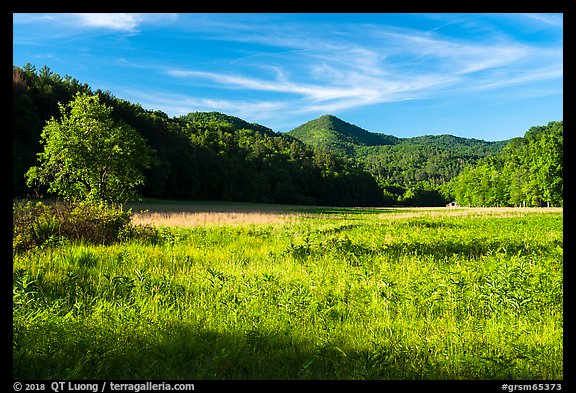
pixel 453 204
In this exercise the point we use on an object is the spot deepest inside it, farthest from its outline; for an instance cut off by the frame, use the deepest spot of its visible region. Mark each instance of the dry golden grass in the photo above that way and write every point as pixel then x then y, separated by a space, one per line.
pixel 466 211
pixel 187 219
pixel 199 213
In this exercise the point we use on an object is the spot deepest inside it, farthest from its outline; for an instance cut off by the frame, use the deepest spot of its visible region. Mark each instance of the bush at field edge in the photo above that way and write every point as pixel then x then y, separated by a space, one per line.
pixel 40 223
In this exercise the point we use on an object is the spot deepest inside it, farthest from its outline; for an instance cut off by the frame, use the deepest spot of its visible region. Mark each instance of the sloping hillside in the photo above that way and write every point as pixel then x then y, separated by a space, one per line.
pixel 332 134
pixel 405 161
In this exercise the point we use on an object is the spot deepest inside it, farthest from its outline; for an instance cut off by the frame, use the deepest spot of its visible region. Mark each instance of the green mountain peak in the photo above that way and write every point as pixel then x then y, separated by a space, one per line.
pixel 330 133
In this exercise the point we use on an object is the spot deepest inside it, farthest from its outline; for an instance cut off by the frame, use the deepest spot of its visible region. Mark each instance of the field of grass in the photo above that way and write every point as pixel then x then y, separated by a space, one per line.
pixel 299 293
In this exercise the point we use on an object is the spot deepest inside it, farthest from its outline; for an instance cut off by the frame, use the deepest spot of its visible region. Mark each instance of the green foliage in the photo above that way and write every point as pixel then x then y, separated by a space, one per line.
pixel 213 156
pixel 407 161
pixel 45 227
pixel 203 155
pixel 217 120
pixel 329 133
pixel 36 96
pixel 38 223
pixel 88 156
pixel 342 294
pixel 423 194
pixel 528 172
pixel 261 166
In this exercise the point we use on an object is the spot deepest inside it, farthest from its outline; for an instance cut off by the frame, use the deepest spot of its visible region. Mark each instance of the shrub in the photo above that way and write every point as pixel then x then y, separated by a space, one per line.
pixel 39 223
pixel 95 223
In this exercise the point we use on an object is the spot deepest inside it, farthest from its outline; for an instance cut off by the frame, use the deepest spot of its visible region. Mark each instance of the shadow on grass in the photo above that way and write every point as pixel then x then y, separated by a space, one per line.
pixel 179 206
pixel 437 250
pixel 449 248
pixel 198 206
pixel 348 210
pixel 185 352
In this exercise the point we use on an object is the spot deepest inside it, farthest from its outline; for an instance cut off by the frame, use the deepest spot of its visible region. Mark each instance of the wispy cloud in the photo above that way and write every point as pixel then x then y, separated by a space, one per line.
pixel 393 64
pixel 312 92
pixel 302 68
pixel 121 22
pixel 181 104
pixel 273 66
pixel 549 19
pixel 21 19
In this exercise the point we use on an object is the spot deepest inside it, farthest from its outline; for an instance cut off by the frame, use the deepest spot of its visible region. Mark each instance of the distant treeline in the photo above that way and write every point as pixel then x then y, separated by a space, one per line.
pixel 210 155
pixel 198 156
pixel 528 172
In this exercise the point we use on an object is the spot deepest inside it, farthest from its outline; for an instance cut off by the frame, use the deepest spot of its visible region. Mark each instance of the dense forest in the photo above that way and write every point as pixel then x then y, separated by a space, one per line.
pixel 210 155
pixel 528 172
pixel 409 170
pixel 198 156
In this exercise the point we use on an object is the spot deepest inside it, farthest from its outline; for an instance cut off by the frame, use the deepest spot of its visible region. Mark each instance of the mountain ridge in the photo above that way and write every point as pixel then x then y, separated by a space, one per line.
pixel 212 155
pixel 200 118
pixel 333 134
pixel 394 160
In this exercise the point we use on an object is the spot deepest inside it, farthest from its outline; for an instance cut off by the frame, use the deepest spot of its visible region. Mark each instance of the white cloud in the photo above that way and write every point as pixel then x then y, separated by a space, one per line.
pixel 118 21
pixel 123 22
pixel 365 65
pixel 353 64
pixel 297 68
pixel 312 92
pixel 25 18
pixel 180 104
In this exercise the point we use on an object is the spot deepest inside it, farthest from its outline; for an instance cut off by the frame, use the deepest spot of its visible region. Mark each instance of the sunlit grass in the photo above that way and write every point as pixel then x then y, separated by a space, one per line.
pixel 183 219
pixel 328 294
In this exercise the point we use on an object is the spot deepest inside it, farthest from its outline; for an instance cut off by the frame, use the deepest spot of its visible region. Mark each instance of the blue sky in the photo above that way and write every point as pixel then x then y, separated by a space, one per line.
pixel 485 76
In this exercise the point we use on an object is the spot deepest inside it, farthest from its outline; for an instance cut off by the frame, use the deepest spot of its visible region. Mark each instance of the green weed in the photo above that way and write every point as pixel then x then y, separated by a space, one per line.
pixel 421 296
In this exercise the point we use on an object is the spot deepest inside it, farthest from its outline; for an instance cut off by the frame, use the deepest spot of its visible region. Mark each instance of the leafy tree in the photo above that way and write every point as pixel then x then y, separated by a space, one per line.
pixel 547 163
pixel 89 156
pixel 210 155
pixel 527 172
pixel 36 97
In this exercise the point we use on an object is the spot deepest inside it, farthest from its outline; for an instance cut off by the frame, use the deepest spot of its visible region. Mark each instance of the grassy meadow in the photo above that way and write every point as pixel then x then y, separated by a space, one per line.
pixel 284 292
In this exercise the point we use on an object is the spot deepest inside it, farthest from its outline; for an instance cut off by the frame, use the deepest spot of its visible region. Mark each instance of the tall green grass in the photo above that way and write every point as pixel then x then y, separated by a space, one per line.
pixel 337 295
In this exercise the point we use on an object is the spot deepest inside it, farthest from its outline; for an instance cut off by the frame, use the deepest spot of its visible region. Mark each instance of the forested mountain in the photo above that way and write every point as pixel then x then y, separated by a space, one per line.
pixel 217 119
pixel 334 135
pixel 393 160
pixel 202 155
pixel 327 161
pixel 435 159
